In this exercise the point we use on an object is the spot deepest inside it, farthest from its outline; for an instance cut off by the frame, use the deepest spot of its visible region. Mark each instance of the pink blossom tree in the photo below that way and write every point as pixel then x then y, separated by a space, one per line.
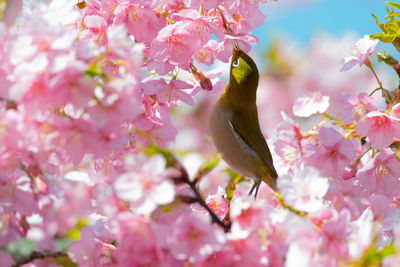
pixel 104 159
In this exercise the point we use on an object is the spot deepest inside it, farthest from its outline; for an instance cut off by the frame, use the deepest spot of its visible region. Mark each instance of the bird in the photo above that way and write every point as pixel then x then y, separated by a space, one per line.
pixel 234 125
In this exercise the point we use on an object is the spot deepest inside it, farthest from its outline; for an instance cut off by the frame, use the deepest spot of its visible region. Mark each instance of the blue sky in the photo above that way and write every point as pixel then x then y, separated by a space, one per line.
pixel 301 21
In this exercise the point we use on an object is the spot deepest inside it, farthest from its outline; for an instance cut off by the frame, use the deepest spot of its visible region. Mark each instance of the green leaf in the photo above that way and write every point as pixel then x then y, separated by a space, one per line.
pixel 232 174
pixel 392 14
pixel 167 155
pixel 64 261
pixel 392 26
pixel 74 232
pixel 21 248
pixel 210 164
pixel 394 5
pixel 166 208
pixel 231 187
pixel 373 257
pixel 386 58
pixel 62 244
pixel 380 25
pixel 92 71
pixel 370 257
pixel 388 250
pixel 391 30
pixel 384 37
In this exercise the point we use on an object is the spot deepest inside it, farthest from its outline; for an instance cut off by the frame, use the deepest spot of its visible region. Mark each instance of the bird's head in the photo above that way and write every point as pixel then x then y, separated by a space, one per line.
pixel 243 80
pixel 243 70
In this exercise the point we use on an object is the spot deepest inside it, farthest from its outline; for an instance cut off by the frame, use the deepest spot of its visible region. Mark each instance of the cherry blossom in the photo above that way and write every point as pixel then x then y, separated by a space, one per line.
pixel 16 194
pixel 305 191
pixel 362 234
pixel 136 230
pixel 288 145
pixel 360 54
pixel 247 215
pixel 175 44
pixel 207 4
pixel 89 250
pixel 225 48
pixel 381 175
pixel 335 233
pixel 382 210
pixel 393 260
pixel 173 92
pixel 97 26
pixel 380 128
pixel 192 238
pixel 140 20
pixel 311 104
pixel 351 107
pixel 332 155
pixel 298 256
pixel 217 202
pixel 145 186
pixel 395 111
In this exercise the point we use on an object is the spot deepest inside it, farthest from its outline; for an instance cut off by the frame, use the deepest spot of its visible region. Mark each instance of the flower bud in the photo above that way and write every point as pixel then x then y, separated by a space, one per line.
pixel 204 81
pixel 349 172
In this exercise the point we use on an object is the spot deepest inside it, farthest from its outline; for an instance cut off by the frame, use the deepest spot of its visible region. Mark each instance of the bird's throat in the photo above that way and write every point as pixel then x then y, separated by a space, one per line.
pixel 240 95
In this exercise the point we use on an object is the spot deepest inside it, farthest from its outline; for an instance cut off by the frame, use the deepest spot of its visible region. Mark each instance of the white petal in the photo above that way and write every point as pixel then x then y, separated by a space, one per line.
pixel 297 257
pixel 127 189
pixel 163 193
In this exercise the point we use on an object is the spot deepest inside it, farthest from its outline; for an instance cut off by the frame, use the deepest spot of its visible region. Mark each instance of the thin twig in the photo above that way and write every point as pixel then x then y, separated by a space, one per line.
pixel 198 177
pixel 375 90
pixel 34 255
pixel 384 91
pixel 375 75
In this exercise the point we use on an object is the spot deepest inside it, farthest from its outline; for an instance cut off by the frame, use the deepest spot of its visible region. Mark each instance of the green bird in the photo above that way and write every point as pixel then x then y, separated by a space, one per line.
pixel 234 125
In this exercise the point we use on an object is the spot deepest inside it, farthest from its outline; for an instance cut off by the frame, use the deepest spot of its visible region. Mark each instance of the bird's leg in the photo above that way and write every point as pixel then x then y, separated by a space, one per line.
pixel 255 186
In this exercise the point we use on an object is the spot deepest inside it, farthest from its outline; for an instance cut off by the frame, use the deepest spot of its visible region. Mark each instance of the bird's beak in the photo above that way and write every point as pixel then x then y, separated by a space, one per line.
pixel 236 51
pixel 236 47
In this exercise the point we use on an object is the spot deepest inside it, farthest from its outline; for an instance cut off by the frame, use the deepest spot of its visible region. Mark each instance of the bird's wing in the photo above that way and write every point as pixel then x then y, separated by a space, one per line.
pixel 247 121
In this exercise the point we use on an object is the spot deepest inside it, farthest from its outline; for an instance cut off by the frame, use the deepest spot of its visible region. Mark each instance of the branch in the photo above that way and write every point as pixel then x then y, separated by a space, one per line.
pixel 385 92
pixel 184 178
pixel 39 255
pixel 10 104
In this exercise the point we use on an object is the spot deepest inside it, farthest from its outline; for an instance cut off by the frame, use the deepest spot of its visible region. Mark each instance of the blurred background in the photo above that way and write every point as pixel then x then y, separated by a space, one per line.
pixel 299 22
pixel 302 20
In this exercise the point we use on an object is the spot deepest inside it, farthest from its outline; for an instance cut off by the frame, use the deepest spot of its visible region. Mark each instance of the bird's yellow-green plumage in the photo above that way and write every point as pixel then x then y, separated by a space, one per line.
pixel 235 128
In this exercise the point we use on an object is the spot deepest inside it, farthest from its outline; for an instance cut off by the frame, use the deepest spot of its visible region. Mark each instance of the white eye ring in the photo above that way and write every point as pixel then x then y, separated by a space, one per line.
pixel 235 63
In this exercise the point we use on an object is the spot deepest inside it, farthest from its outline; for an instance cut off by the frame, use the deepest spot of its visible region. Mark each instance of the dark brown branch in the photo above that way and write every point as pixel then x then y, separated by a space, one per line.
pixel 187 199
pixel 396 45
pixel 198 197
pixel 198 177
pixel 214 217
pixel 10 104
pixel 35 255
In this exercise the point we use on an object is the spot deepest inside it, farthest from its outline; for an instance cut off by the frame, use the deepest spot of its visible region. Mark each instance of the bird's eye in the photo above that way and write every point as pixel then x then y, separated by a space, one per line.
pixel 235 63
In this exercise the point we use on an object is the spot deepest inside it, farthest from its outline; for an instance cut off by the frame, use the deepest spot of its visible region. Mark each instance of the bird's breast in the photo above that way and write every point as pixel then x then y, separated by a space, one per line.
pixel 237 154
